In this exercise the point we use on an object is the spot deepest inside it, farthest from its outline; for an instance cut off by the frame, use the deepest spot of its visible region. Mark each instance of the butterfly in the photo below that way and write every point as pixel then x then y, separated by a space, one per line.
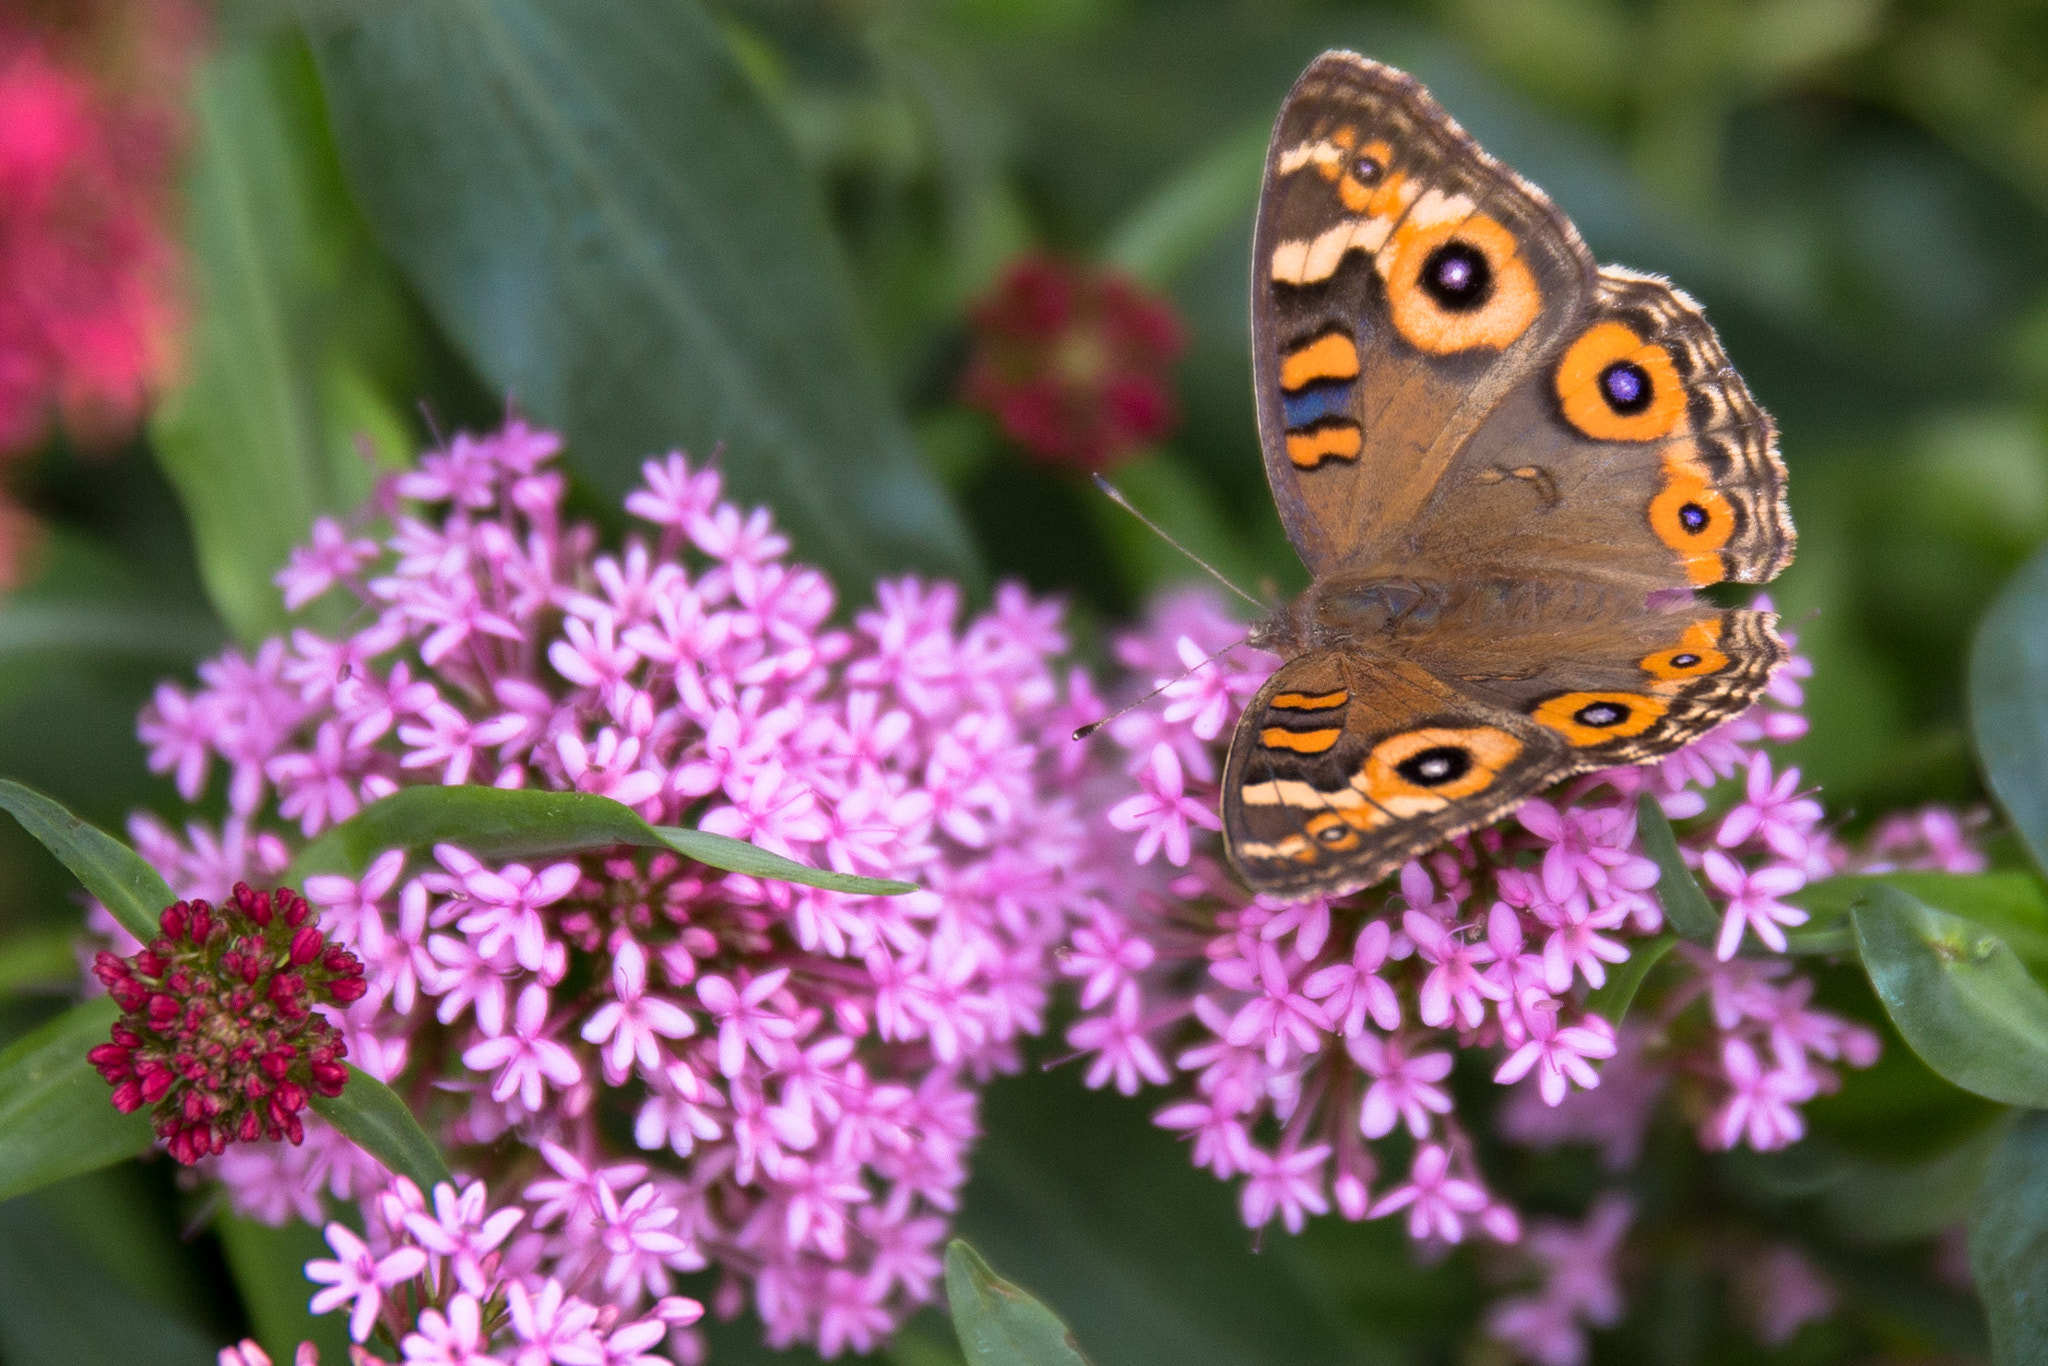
pixel 1508 472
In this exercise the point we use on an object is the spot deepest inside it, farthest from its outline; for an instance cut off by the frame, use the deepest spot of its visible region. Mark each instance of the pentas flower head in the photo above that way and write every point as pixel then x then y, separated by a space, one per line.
pixel 1309 1047
pixel 1074 362
pixel 221 1027
pixel 656 1066
pixel 441 1282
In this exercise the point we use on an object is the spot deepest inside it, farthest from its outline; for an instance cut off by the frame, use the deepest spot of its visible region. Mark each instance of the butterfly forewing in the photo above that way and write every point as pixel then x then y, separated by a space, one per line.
pixel 1401 278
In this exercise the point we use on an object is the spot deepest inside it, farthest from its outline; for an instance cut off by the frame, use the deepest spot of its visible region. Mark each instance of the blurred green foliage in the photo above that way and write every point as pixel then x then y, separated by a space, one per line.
pixel 1857 190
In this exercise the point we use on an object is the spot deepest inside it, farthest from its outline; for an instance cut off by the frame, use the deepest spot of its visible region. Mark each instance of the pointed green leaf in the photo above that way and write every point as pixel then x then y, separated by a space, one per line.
pixel 373 1117
pixel 125 884
pixel 602 211
pixel 56 1115
pixel 1686 908
pixel 1612 1000
pixel 2009 1245
pixel 998 1324
pixel 496 823
pixel 737 856
pixel 263 433
pixel 2009 701
pixel 489 822
pixel 1959 996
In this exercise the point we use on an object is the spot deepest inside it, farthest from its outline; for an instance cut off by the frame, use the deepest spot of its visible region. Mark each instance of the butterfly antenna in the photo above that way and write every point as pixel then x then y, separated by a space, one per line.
pixel 1116 496
pixel 1083 732
pixel 432 420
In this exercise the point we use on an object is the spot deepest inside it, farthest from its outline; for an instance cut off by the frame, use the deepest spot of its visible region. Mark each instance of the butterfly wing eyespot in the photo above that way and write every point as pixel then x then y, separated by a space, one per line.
pixel 1459 283
pixel 1428 768
pixel 1692 517
pixel 1595 718
pixel 1697 655
pixel 1614 386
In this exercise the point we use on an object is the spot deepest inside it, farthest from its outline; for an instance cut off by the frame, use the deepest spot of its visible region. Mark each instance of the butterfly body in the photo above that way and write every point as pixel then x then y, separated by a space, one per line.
pixel 1507 470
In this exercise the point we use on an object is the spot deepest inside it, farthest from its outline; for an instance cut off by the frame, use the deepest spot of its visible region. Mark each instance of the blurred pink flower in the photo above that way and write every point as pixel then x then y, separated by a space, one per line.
pixel 91 114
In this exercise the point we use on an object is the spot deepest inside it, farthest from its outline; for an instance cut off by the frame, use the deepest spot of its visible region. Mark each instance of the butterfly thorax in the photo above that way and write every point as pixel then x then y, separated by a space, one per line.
pixel 1350 609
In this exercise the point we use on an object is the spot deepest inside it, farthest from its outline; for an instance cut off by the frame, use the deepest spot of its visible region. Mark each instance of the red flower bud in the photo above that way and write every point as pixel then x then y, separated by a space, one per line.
pixel 306 945
pixel 219 1031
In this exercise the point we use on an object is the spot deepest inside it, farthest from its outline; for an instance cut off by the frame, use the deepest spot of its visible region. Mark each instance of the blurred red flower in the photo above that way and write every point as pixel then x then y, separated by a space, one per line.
pixel 1074 362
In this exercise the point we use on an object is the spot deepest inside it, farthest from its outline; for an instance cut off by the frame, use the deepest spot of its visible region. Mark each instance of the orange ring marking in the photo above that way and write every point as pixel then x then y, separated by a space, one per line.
pixel 1493 326
pixel 1639 712
pixel 1585 406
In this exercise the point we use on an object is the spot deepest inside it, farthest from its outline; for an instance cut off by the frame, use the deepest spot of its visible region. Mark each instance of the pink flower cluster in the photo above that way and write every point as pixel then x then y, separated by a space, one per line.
pixel 87 268
pixel 1310 1045
pixel 456 1283
pixel 797 1069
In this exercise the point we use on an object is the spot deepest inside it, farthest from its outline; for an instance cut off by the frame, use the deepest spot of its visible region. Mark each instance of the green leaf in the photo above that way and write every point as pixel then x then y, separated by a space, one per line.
pixel 373 1117
pixel 2009 1245
pixel 1213 196
pixel 1079 1195
pixel 738 856
pixel 1686 907
pixel 56 1115
pixel 2009 701
pixel 998 1324
pixel 2010 903
pixel 1887 1203
pixel 489 822
pixel 268 1265
pixel 127 886
pixel 39 960
pixel 1612 1000
pixel 600 209
pixel 263 434
pixel 1959 996
pixel 496 823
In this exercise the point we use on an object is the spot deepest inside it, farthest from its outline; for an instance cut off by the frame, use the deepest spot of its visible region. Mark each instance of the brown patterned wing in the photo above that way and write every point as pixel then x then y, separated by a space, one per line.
pixel 1402 282
pixel 1614 686
pixel 1345 766
pixel 1633 454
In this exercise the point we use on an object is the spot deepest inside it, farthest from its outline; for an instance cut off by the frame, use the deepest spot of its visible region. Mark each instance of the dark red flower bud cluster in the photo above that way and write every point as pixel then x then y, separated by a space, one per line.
pixel 1074 363
pixel 218 1028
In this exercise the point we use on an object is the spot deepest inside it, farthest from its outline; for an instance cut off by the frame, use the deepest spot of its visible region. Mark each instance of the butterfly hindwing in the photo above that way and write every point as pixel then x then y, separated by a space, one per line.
pixel 1345 766
pixel 1633 453
pixel 1614 689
